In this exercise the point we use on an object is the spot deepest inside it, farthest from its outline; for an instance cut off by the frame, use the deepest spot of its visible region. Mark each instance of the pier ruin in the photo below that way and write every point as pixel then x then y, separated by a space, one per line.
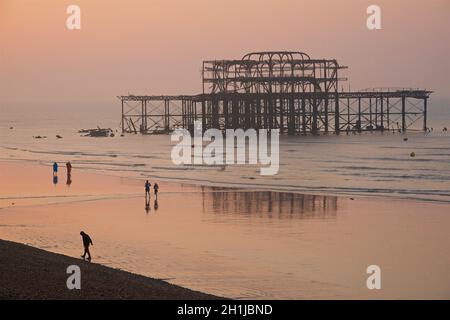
pixel 289 91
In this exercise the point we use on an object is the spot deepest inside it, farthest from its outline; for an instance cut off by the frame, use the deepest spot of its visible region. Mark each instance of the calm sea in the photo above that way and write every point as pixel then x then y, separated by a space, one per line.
pixel 366 164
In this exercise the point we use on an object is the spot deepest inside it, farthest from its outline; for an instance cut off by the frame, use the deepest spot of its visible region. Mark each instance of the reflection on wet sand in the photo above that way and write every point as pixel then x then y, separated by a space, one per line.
pixel 233 242
pixel 269 204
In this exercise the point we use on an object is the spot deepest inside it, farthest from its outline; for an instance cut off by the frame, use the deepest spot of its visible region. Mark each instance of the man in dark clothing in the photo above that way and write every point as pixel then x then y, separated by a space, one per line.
pixel 156 189
pixel 69 168
pixel 87 241
pixel 69 173
pixel 147 189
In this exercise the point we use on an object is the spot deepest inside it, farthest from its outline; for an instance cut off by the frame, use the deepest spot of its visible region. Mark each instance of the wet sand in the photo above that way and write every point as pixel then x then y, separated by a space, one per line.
pixel 235 243
pixel 30 273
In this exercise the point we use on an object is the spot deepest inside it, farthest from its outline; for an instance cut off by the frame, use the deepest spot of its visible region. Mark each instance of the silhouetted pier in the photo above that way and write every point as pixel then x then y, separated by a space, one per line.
pixel 289 91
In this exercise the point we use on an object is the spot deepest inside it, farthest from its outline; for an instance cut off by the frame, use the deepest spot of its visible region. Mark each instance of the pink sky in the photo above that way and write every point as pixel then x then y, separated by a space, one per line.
pixel 157 46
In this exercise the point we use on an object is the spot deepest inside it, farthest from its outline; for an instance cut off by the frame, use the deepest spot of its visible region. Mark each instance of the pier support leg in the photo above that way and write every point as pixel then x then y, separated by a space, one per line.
pixel 403 114
pixel 123 119
pixel 337 128
pixel 425 111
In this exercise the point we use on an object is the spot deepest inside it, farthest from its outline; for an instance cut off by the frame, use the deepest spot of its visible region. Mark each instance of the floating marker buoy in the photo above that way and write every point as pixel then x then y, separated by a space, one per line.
pixel 405 139
pixel 412 155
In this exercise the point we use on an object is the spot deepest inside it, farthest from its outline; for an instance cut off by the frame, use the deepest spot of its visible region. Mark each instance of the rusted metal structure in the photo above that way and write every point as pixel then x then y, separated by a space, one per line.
pixel 289 91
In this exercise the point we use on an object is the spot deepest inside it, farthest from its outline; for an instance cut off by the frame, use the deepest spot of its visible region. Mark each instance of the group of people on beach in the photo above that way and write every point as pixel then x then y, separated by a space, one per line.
pixel 148 186
pixel 69 173
pixel 87 241
pixel 147 195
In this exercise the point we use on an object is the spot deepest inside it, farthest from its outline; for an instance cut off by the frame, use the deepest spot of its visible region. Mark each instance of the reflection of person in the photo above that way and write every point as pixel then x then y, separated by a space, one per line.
pixel 69 180
pixel 55 179
pixel 147 188
pixel 156 188
pixel 156 205
pixel 55 168
pixel 147 205
pixel 87 241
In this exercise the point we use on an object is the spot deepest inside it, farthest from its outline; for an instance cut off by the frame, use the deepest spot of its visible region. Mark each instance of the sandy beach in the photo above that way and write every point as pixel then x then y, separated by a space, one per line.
pixel 30 273
pixel 236 243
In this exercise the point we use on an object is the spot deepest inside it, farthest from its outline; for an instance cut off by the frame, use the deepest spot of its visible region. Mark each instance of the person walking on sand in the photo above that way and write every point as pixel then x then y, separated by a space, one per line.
pixel 55 169
pixel 155 189
pixel 87 241
pixel 69 173
pixel 69 168
pixel 147 189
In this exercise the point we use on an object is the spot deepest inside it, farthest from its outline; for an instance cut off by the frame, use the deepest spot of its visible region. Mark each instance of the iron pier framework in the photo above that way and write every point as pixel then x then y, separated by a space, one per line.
pixel 289 91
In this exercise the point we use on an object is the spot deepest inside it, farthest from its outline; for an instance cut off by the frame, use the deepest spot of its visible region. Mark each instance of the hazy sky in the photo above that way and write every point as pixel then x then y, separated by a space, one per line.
pixel 157 46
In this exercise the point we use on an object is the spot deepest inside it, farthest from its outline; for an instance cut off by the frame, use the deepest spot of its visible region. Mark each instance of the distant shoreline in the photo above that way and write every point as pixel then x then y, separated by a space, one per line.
pixel 28 273
pixel 314 191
